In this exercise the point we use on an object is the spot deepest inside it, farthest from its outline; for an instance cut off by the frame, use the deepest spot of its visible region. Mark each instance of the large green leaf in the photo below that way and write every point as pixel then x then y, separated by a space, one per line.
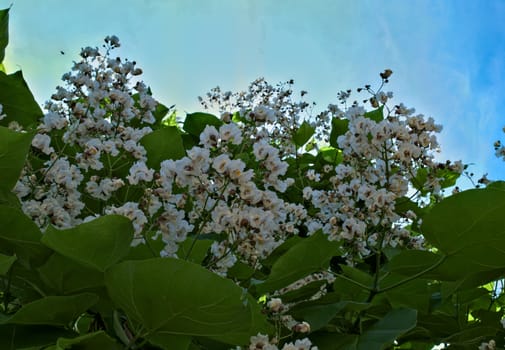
pixel 196 122
pixel 14 147
pixel 90 341
pixel 18 101
pixel 65 276
pixel 310 255
pixel 14 337
pixel 386 330
pixel 4 32
pixel 334 341
pixel 97 244
pixel 410 262
pixel 53 310
pixel 303 134
pixel 162 144
pixel 466 220
pixel 20 236
pixel 177 297
pixel 169 341
pixel 6 262
pixel 469 228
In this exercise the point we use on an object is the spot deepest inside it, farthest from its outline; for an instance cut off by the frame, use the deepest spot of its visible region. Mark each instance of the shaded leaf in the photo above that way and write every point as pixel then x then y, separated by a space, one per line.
pixel 389 328
pixel 53 310
pixel 20 236
pixel 14 337
pixel 300 261
pixel 169 341
pixel 410 262
pixel 65 276
pixel 90 341
pixel 97 244
pixel 6 262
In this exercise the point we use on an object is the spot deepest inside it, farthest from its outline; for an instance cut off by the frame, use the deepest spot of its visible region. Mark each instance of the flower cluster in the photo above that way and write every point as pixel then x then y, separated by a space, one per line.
pixel 87 140
pixel 383 156
pixel 225 198
pixel 265 112
pixel 381 162
pixel 262 342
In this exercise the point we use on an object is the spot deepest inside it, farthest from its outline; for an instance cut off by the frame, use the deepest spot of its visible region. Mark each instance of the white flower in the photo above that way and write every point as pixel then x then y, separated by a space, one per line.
pixel 220 163
pixel 275 304
pixel 261 149
pixel 300 344
pixel 231 132
pixel 209 137
pixel 54 120
pixel 43 143
pixel 262 342
pixel 140 172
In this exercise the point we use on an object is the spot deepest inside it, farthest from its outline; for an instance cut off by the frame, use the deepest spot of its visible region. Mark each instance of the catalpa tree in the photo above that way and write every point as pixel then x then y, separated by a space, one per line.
pixel 255 224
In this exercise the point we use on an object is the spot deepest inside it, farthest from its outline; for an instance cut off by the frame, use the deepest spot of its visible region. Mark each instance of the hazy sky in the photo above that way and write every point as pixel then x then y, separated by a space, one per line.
pixel 448 57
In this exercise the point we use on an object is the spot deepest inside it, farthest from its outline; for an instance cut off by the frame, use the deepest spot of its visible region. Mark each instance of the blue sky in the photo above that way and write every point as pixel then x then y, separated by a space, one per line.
pixel 448 57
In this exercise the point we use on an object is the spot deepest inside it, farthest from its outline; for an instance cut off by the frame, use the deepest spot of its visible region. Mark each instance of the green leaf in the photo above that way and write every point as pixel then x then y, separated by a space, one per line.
pixel 14 337
pixel 469 227
pixel 330 155
pixel 281 250
pixel 14 147
pixel 389 328
pixel 240 271
pixel 188 300
pixel 318 313
pixel 300 261
pixel 162 144
pixel 6 262
pixel 4 32
pixel 376 115
pixel 196 122
pixel 53 310
pixel 160 112
pixel 302 293
pixel 169 341
pixel 65 276
pixel 303 134
pixel 410 262
pixel 358 291
pixel 98 244
pixel 334 341
pixel 18 101
pixel 338 127
pixel 196 248
pixel 20 236
pixel 415 294
pixel 90 341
